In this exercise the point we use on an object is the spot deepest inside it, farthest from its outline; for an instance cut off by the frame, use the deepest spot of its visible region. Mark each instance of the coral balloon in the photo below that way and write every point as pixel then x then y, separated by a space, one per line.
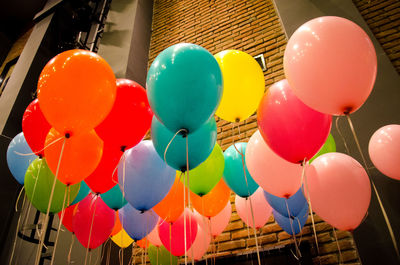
pixel 136 223
pixel 261 209
pixel 143 243
pixel 154 237
pixel 274 174
pixel 200 244
pixel 331 65
pixel 35 127
pixel 161 256
pixel 292 130
pixel 384 150
pixel 117 226
pixel 68 216
pixel 243 85
pixel 339 190
pixel 328 147
pixel 79 158
pixel 122 239
pixel 76 91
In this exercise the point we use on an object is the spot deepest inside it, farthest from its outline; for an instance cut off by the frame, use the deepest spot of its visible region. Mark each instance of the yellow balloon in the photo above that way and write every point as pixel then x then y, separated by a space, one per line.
pixel 243 85
pixel 122 239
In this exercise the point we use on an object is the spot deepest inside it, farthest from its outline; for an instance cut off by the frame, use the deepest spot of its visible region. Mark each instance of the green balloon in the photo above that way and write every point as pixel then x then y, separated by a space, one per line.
pixel 206 175
pixel 328 147
pixel 40 197
pixel 161 256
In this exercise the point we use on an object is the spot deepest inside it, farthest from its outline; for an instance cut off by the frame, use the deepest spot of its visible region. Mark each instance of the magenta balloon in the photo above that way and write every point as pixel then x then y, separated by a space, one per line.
pixel 177 240
pixel 292 129
pixel 154 237
pixel 93 208
pixel 384 150
pixel 273 173
pixel 339 190
pixel 200 244
pixel 331 64
pixel 261 209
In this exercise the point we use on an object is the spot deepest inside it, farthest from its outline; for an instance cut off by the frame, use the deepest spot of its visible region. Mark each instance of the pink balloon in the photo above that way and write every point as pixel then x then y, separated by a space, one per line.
pixel 292 129
pixel 93 208
pixel 154 237
pixel 216 224
pixel 339 190
pixel 384 150
pixel 200 244
pixel 274 174
pixel 331 64
pixel 177 240
pixel 261 209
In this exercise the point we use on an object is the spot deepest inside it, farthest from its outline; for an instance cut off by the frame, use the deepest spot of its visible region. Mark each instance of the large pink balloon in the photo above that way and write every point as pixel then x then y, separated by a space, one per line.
pixel 339 190
pixel 261 209
pixel 330 63
pixel 292 129
pixel 274 174
pixel 384 150
pixel 216 224
pixel 177 240
pixel 93 208
pixel 154 237
pixel 200 244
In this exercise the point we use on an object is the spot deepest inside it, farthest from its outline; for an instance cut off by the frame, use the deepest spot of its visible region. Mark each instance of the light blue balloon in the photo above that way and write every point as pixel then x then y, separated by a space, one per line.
pixel 184 86
pixel 201 144
pixel 83 192
pixel 147 177
pixel 295 203
pixel 17 161
pixel 137 224
pixel 293 224
pixel 234 174
pixel 114 198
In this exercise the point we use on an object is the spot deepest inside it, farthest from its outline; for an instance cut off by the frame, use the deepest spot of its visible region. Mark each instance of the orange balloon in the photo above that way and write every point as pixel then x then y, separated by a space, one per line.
pixel 117 225
pixel 80 157
pixel 143 243
pixel 76 91
pixel 171 207
pixel 213 202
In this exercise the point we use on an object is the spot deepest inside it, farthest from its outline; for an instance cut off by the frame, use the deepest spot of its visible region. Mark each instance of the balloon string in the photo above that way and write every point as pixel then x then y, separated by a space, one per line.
pixel 205 225
pixel 300 229
pixel 142 256
pixel 5 136
pixel 341 135
pixel 108 254
pixel 18 225
pixel 70 248
pixel 19 196
pixel 102 251
pixel 166 149
pixel 119 256
pixel 385 216
pixel 298 253
pixel 116 167
pixel 46 219
pixel 338 247
pixel 90 230
pixel 90 256
pixel 50 144
pixel 188 185
pixel 157 255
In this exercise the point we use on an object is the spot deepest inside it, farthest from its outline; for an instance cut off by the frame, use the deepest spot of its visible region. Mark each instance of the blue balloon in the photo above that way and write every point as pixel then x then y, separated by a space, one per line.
pixel 83 192
pixel 293 224
pixel 184 86
pixel 137 224
pixel 17 161
pixel 234 174
pixel 201 144
pixel 147 177
pixel 295 203
pixel 114 198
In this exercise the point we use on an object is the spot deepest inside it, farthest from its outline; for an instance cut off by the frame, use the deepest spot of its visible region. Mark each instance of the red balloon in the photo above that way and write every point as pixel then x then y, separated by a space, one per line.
pixel 92 214
pixel 35 127
pixel 68 216
pixel 130 117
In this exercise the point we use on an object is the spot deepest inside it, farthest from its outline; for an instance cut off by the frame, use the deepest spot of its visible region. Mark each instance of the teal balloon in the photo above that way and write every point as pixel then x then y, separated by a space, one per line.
pixel 114 198
pixel 328 147
pixel 83 192
pixel 234 174
pixel 200 144
pixel 184 86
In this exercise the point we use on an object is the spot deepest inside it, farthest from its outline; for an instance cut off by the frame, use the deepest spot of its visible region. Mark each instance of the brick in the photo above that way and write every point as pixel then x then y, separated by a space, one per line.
pixel 234 226
pixel 262 240
pixel 327 259
pixel 232 245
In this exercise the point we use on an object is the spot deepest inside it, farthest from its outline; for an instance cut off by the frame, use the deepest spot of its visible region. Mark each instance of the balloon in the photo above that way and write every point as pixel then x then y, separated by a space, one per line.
pixel 114 198
pixel 184 86
pixel 339 190
pixel 176 243
pixel 130 117
pixel 331 65
pixel 136 223
pixel 122 239
pixel 93 221
pixel 35 127
pixel 261 209
pixel 172 206
pixel 200 144
pixel 200 244
pixel 203 178
pixel 292 130
pixel 216 224
pixel 161 256
pixel 38 185
pixel 243 85
pixel 83 192
pixel 76 91
pixel 144 176
pixel 294 224
pixel 328 147
pixel 214 202
pixel 238 181
pixel 143 243
pixel 79 158
pixel 154 237
pixel 68 216
pixel 294 204
pixel 18 159
pixel 274 174
pixel 384 150
pixel 117 225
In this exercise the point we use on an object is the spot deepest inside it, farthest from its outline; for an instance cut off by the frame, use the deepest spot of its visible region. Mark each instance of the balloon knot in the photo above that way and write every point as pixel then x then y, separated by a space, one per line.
pixel 67 135
pixel 183 169
pixel 142 211
pixel 184 132
pixel 237 119
pixel 40 156
pixel 347 110
pixel 123 148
